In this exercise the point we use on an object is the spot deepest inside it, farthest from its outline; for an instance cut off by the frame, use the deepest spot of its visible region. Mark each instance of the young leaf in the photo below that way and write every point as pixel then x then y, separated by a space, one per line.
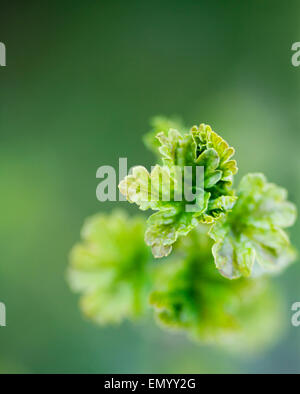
pixel 110 268
pixel 160 124
pixel 250 239
pixel 192 186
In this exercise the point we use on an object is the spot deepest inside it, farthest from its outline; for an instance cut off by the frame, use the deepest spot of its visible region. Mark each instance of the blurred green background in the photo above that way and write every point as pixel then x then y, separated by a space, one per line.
pixel 82 80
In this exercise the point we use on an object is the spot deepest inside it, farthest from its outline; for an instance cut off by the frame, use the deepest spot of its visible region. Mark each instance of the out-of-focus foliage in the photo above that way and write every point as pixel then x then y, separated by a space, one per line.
pixel 112 270
pixel 110 267
pixel 190 295
pixel 261 321
pixel 183 198
pixel 250 239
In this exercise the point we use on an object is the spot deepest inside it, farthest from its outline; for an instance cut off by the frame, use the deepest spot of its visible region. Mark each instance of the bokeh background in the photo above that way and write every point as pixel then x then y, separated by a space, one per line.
pixel 82 80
